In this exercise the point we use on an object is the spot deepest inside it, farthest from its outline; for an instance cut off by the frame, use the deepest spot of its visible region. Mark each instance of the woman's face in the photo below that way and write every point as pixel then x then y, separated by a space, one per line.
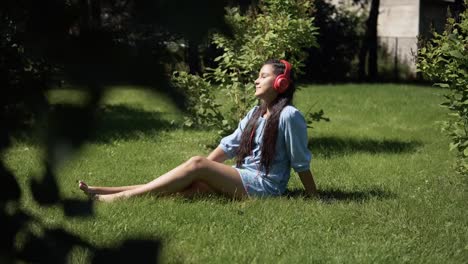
pixel 264 84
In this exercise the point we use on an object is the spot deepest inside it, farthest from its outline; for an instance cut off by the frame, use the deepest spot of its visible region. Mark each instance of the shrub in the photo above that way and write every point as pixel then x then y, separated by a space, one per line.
pixel 274 29
pixel 444 59
pixel 204 111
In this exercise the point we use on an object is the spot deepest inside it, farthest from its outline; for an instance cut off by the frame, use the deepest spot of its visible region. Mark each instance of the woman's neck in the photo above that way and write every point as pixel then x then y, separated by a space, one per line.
pixel 269 107
pixel 267 111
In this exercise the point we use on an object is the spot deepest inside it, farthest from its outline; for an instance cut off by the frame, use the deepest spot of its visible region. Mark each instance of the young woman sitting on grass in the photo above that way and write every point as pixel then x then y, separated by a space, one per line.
pixel 269 141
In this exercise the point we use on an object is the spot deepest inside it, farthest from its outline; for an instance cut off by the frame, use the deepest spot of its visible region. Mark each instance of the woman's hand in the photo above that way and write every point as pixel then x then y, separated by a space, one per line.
pixel 307 180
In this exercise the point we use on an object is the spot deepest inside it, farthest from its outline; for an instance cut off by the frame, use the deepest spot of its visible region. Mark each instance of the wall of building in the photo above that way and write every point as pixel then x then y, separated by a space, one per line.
pixel 398 30
pixel 401 22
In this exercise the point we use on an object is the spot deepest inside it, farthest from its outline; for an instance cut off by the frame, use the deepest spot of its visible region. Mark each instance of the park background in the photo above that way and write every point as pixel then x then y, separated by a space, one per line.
pixel 118 92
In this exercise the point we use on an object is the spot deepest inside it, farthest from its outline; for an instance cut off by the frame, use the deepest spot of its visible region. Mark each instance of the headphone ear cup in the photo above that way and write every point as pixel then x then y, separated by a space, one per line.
pixel 281 83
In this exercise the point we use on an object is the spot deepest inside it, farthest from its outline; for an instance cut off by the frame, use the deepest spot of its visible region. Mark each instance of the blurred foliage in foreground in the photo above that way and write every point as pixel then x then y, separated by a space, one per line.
pixel 91 45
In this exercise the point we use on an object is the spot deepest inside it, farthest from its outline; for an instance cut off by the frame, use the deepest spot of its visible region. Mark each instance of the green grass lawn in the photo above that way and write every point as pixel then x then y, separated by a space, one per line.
pixel 388 193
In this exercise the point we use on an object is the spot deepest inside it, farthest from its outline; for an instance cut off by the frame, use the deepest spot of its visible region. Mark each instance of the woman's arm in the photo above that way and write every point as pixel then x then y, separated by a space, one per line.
pixel 218 155
pixel 307 180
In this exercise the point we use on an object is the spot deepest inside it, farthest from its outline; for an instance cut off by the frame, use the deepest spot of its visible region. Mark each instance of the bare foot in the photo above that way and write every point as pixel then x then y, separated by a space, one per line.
pixel 87 190
pixel 84 187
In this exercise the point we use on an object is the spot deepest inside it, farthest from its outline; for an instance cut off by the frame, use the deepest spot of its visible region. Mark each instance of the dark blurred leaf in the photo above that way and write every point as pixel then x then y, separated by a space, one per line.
pixel 10 226
pixel 9 189
pixel 68 125
pixel 4 135
pixel 53 247
pixel 63 240
pixel 34 250
pixel 45 192
pixel 147 251
pixel 48 43
pixel 78 208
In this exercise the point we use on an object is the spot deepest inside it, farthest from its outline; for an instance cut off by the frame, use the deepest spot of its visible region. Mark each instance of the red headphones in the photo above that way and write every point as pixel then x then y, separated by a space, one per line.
pixel 283 80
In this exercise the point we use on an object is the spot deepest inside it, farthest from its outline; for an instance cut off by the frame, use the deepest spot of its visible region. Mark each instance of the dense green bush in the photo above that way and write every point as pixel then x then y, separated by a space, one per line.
pixel 444 59
pixel 273 29
pixel 204 111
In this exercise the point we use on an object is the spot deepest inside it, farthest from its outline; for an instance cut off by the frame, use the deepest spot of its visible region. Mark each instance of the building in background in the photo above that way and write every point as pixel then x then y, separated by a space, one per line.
pixel 401 22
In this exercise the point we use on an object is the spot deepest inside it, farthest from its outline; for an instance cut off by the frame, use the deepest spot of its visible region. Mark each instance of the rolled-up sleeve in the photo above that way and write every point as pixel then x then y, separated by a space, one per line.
pixel 230 144
pixel 295 133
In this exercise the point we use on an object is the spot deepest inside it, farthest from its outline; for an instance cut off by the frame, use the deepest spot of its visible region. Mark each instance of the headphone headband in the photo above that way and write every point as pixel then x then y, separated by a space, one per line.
pixel 287 70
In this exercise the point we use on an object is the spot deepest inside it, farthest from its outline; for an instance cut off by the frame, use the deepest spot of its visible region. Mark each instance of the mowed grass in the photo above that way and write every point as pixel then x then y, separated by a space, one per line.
pixel 388 193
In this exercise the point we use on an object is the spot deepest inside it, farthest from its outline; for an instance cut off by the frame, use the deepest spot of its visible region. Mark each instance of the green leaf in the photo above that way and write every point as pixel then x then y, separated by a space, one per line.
pixel 453 146
pixel 443 85
pixel 465 152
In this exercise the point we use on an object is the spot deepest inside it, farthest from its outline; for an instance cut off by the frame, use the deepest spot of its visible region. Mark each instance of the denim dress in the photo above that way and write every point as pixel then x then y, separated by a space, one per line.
pixel 291 152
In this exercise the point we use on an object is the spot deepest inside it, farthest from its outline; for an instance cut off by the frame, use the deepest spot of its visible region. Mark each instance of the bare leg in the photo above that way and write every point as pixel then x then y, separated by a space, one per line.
pixel 219 177
pixel 104 190
pixel 197 188
pixel 192 190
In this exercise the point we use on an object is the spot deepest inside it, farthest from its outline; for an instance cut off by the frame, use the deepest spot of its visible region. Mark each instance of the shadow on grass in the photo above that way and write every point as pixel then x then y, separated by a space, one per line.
pixel 326 196
pixel 123 122
pixel 336 195
pixel 334 146
pixel 112 122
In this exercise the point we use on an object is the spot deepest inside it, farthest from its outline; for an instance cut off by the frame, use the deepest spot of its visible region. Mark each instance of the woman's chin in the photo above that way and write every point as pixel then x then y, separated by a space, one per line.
pixel 259 94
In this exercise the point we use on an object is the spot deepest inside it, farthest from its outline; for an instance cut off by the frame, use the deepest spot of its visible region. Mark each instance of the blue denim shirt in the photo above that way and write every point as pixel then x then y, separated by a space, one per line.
pixel 291 147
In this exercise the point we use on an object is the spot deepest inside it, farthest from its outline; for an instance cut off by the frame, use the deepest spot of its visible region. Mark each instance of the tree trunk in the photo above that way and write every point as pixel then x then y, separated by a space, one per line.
pixel 373 42
pixel 362 59
pixel 368 52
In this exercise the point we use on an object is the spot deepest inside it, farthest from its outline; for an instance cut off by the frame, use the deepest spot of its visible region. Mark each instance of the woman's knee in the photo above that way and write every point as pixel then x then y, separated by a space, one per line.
pixel 196 164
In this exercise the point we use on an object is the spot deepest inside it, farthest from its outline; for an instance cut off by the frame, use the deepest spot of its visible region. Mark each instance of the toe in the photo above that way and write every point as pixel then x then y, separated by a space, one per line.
pixel 83 186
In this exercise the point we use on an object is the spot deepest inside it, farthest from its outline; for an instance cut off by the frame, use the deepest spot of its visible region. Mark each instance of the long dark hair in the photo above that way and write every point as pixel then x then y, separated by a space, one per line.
pixel 271 129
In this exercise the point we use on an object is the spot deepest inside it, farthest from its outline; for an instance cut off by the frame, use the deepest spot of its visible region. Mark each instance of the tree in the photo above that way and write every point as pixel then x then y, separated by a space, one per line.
pixel 368 52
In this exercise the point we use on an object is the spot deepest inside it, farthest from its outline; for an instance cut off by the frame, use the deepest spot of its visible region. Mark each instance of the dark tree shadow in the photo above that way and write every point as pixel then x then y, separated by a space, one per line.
pixel 334 146
pixel 337 195
pixel 124 122
pixel 112 122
